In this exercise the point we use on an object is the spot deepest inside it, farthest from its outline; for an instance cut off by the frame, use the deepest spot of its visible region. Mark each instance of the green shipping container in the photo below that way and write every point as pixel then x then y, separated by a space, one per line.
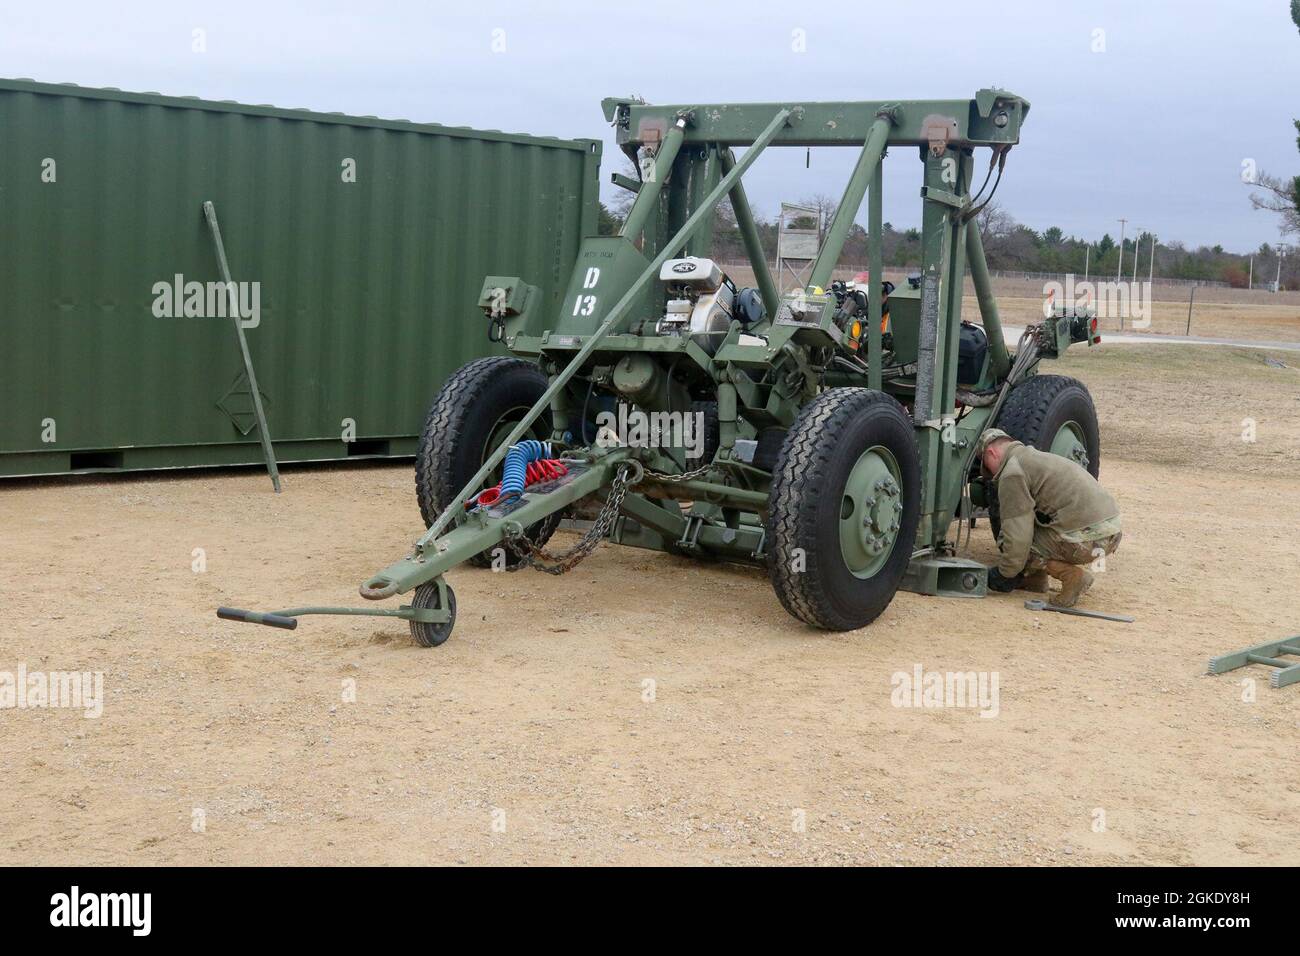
pixel 367 240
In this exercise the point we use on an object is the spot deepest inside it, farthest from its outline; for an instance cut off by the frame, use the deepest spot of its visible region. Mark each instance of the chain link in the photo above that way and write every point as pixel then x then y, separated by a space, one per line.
pixel 564 561
pixel 684 476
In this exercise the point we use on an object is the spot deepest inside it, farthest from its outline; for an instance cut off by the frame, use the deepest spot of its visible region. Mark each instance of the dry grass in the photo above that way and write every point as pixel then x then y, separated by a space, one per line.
pixel 1251 315
pixel 1188 406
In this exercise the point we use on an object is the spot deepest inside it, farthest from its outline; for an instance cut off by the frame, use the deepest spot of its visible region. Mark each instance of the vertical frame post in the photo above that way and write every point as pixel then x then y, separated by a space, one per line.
pixel 946 176
pixel 876 268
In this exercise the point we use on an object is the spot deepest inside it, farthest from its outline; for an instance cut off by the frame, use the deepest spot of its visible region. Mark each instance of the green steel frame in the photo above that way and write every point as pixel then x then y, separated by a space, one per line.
pixel 758 382
pixel 947 131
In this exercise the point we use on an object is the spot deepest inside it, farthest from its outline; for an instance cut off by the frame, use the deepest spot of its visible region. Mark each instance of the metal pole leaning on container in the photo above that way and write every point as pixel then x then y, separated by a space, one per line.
pixel 693 222
pixel 268 452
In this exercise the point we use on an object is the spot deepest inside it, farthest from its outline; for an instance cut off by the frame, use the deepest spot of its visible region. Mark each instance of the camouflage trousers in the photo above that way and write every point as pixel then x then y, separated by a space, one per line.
pixel 1073 547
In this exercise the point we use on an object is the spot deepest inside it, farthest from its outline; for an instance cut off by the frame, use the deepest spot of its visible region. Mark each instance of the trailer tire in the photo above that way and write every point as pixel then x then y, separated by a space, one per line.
pixel 471 415
pixel 1050 413
pixel 424 633
pixel 827 510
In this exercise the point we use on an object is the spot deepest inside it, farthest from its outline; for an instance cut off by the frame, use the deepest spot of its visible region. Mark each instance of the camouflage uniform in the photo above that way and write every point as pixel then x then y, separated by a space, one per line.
pixel 1051 509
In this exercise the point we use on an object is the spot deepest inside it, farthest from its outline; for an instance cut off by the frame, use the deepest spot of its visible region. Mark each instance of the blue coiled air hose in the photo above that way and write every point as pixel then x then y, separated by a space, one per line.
pixel 515 471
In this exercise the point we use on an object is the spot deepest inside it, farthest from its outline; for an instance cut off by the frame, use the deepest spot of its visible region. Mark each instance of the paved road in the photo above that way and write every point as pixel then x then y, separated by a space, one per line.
pixel 1145 338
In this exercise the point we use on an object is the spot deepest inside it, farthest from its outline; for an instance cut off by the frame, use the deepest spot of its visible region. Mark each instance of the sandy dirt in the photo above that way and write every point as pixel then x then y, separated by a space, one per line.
pixel 532 736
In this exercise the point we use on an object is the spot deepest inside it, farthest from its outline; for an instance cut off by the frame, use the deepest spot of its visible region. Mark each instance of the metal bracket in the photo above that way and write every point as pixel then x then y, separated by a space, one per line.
pixel 691 533
pixel 938 131
pixel 892 113
pixel 944 196
pixel 946 577
pixel 626 182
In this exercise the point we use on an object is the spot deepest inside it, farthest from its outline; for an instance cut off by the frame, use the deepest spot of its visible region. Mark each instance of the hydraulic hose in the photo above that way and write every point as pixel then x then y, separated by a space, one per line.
pixel 527 462
pixel 515 474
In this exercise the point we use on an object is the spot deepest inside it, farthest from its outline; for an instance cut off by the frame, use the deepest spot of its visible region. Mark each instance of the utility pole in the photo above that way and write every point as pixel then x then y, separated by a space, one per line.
pixel 1151 266
pixel 1137 252
pixel 1250 279
pixel 1277 283
pixel 1120 268
pixel 1087 254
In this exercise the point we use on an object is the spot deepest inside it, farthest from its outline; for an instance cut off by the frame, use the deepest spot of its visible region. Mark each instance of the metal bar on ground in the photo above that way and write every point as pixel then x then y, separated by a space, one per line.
pixel 1035 605
pixel 264 433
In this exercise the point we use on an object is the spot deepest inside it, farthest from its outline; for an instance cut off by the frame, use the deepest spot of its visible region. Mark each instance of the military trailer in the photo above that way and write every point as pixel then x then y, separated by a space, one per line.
pixel 837 454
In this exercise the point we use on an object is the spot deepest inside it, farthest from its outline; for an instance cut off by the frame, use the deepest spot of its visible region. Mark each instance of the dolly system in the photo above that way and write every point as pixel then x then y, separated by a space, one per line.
pixel 840 453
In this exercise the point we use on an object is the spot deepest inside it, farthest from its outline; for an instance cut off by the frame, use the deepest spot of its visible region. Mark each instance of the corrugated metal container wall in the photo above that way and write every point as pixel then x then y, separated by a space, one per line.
pixel 368 289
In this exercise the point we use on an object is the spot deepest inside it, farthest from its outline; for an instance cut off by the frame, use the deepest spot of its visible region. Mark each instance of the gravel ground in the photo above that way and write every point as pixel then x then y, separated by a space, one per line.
pixel 646 709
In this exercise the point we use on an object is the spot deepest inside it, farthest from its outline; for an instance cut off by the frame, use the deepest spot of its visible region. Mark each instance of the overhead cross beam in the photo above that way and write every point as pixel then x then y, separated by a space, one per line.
pixel 992 118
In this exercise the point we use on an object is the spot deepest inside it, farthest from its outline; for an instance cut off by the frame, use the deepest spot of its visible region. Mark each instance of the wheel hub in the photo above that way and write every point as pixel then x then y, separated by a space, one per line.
pixel 871 512
pixel 1070 443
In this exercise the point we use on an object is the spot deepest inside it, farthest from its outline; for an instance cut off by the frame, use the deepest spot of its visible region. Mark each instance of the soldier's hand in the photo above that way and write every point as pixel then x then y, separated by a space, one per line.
pixel 1002 584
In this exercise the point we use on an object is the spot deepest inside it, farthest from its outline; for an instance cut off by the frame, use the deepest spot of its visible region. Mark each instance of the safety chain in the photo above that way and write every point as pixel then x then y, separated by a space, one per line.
pixel 564 561
pixel 684 476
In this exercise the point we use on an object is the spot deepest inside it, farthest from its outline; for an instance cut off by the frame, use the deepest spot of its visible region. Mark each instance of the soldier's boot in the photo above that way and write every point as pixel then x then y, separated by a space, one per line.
pixel 1074 582
pixel 1035 581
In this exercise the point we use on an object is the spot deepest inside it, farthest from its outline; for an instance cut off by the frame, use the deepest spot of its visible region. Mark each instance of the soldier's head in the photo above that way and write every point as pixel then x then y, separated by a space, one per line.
pixel 993 446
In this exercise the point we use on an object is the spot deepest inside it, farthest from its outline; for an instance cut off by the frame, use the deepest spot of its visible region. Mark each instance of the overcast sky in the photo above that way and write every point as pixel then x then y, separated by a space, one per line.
pixel 1154 128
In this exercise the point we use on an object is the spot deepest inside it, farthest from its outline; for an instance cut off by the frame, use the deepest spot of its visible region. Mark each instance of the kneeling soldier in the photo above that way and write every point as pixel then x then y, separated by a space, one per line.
pixel 1055 518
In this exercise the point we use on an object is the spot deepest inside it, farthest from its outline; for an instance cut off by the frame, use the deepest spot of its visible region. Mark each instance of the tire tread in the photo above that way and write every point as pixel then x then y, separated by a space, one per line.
pixel 801 474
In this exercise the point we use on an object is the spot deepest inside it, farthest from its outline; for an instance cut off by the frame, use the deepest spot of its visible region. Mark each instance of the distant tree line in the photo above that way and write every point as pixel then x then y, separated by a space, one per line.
pixel 1013 246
